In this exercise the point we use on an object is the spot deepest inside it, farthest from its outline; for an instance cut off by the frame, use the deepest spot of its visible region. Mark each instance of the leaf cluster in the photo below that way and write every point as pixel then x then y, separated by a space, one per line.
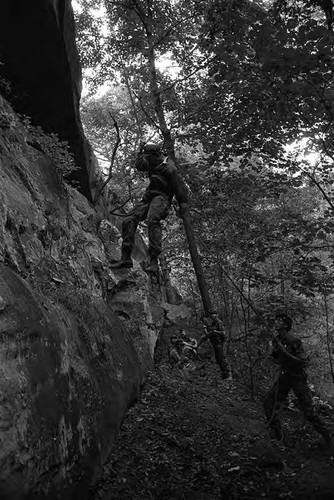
pixel 50 144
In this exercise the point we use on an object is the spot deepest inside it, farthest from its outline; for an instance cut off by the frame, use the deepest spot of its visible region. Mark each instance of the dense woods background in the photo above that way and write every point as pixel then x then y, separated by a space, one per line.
pixel 241 93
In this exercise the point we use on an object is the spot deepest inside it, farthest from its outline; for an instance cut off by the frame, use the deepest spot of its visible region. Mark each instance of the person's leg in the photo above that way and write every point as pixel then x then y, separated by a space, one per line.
pixel 158 210
pixel 218 348
pixel 304 396
pixel 273 402
pixel 129 228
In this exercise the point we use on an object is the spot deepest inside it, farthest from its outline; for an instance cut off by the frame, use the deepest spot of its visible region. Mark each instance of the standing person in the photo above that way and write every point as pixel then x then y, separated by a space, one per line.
pixel 289 353
pixel 165 183
pixel 214 331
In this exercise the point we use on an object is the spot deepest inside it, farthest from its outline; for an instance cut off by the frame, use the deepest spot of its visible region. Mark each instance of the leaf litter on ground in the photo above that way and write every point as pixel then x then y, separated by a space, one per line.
pixel 199 437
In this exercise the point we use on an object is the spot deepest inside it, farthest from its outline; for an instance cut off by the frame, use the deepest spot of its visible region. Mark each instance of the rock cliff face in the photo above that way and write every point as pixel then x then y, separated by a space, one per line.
pixel 75 338
pixel 38 56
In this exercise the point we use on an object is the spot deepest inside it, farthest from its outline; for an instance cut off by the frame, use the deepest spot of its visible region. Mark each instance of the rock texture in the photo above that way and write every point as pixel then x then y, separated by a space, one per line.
pixel 38 56
pixel 76 339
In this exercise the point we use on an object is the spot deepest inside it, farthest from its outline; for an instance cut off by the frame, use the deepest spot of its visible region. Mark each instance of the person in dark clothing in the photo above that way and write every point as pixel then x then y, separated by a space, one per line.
pixel 165 183
pixel 289 353
pixel 183 347
pixel 215 332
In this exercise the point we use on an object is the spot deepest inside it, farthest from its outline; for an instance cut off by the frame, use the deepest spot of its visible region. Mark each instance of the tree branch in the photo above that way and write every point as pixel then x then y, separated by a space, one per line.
pixel 180 80
pixel 113 156
pixel 145 112
pixel 127 83
pixel 170 29
pixel 113 212
pixel 323 192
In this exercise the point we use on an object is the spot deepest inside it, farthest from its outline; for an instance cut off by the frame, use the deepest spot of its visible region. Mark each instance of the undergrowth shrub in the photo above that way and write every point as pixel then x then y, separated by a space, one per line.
pixel 50 144
pixel 5 87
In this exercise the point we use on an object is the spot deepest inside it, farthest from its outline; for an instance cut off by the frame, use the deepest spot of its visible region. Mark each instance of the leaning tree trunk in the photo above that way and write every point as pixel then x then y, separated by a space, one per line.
pixel 196 260
pixel 167 284
pixel 216 340
pixel 169 146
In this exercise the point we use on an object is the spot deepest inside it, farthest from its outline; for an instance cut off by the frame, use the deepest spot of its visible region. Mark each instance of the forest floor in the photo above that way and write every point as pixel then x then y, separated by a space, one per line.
pixel 193 436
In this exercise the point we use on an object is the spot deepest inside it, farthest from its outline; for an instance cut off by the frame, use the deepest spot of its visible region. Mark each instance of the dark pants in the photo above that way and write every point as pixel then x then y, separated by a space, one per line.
pixel 153 209
pixel 278 394
pixel 217 341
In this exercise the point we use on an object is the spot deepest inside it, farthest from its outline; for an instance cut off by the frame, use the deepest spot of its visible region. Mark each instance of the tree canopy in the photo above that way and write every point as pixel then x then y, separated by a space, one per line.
pixel 247 112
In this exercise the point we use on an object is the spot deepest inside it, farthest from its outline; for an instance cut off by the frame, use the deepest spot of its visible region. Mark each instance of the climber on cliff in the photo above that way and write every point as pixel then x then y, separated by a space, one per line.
pixel 165 182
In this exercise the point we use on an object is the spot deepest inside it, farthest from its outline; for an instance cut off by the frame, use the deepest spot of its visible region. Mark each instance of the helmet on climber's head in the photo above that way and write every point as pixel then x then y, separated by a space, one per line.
pixel 211 317
pixel 282 319
pixel 151 148
pixel 150 154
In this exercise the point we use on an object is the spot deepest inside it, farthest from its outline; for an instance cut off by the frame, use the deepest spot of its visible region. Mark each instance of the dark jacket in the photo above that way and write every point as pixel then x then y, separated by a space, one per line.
pixel 164 179
pixel 291 345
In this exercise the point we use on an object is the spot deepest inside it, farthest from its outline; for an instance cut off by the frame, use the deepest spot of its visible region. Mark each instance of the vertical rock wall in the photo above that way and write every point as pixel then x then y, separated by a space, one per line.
pixel 76 339
pixel 38 56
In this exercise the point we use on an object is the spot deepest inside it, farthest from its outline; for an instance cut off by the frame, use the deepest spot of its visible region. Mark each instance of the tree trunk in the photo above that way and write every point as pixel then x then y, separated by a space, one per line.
pixel 169 146
pixel 156 95
pixel 166 281
pixel 202 285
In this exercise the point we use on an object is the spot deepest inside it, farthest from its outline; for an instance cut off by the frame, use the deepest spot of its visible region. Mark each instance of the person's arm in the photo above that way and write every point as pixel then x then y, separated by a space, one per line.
pixel 178 185
pixel 299 358
pixel 141 163
pixel 273 352
pixel 203 338
pixel 192 343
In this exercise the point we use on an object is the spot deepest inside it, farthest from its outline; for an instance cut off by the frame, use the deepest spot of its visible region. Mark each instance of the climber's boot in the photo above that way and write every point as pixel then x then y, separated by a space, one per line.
pixel 125 262
pixel 153 265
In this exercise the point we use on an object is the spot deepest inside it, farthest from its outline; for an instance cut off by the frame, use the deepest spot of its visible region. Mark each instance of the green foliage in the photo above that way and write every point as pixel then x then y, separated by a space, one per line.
pixel 253 79
pixel 98 115
pixel 51 146
pixel 269 85
pixel 5 87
